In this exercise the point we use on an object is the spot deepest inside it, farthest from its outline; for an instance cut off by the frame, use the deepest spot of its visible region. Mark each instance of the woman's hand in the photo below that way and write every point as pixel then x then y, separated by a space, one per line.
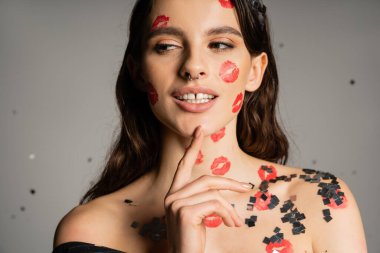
pixel 188 203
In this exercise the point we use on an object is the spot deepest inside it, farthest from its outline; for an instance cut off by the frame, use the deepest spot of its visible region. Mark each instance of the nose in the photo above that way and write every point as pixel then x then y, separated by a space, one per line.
pixel 193 66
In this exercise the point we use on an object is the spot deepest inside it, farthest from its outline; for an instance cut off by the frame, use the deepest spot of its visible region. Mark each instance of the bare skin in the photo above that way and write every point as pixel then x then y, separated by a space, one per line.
pixel 186 191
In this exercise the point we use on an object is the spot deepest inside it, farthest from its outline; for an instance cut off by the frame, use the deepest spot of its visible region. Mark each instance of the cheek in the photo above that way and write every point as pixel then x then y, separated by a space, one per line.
pixel 152 94
pixel 229 72
pixel 237 103
pixel 226 3
pixel 160 21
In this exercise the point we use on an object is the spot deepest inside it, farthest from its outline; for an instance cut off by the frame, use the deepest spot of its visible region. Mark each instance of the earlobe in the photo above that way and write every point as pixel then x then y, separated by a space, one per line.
pixel 256 74
pixel 134 72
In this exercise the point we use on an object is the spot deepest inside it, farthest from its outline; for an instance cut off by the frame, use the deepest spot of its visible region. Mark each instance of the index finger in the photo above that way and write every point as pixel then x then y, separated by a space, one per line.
pixel 185 165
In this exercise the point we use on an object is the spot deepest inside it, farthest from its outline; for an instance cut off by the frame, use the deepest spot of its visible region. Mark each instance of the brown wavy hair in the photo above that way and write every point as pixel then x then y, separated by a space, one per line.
pixel 136 150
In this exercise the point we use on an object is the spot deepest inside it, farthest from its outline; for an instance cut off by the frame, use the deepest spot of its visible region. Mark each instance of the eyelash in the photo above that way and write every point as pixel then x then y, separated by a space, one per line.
pixel 226 46
pixel 162 48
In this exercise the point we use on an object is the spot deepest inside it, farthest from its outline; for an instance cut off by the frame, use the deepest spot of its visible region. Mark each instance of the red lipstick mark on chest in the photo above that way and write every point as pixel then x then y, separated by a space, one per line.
pixel 229 72
pixel 212 220
pixel 218 135
pixel 267 172
pixel 160 21
pixel 199 158
pixel 226 3
pixel 220 166
pixel 262 200
pixel 152 94
pixel 333 203
pixel 237 103
pixel 281 247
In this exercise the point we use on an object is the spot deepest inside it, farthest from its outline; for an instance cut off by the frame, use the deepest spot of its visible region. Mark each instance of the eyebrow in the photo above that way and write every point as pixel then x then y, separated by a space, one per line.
pixel 179 32
pixel 223 30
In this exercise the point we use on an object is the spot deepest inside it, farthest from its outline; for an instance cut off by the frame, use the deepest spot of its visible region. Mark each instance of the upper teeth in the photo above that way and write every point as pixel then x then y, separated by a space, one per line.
pixel 196 96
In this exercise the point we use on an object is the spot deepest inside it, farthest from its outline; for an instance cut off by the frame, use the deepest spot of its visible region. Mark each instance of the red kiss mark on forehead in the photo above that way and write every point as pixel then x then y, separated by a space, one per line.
pixel 229 72
pixel 281 247
pixel 227 3
pixel 160 21
pixel 220 166
pixel 152 94
pixel 218 135
pixel 237 103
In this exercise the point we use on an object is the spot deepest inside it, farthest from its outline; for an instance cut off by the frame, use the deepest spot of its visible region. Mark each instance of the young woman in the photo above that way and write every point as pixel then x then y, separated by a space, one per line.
pixel 199 165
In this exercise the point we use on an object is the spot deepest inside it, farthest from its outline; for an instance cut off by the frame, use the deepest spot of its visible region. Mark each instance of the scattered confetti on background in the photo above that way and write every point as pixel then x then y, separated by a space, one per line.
pixel 50 122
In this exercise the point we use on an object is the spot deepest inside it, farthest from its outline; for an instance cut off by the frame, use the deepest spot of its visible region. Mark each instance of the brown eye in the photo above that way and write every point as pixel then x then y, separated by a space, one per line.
pixel 221 46
pixel 163 48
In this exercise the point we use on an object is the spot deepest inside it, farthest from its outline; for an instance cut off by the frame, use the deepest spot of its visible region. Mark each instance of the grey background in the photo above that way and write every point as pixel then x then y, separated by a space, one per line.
pixel 58 66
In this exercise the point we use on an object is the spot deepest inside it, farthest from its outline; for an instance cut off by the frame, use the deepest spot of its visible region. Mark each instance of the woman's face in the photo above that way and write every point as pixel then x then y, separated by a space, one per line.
pixel 197 38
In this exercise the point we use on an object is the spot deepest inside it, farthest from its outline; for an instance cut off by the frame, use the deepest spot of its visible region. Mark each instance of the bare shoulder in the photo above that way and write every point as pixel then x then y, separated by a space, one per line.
pixel 331 211
pixel 96 222
pixel 107 220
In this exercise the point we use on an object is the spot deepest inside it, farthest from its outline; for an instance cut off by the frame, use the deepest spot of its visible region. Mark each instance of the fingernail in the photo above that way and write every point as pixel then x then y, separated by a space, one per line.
pixel 245 185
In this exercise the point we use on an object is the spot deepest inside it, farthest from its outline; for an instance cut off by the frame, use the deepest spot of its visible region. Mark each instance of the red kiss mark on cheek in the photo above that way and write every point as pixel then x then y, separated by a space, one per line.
pixel 218 135
pixel 262 200
pixel 237 103
pixel 212 220
pixel 220 166
pixel 199 158
pixel 226 3
pixel 152 94
pixel 334 204
pixel 160 21
pixel 281 247
pixel 229 72
pixel 267 172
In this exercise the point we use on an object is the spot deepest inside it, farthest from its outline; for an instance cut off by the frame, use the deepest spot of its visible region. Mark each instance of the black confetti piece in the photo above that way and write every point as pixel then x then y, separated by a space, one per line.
pixel 134 224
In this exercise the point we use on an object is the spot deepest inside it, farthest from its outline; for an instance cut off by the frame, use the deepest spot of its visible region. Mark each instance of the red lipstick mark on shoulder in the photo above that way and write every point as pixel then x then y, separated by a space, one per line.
pixel 229 72
pixel 227 3
pixel 220 166
pixel 260 203
pixel 218 135
pixel 334 205
pixel 237 103
pixel 199 158
pixel 282 247
pixel 212 220
pixel 152 94
pixel 160 21
pixel 267 172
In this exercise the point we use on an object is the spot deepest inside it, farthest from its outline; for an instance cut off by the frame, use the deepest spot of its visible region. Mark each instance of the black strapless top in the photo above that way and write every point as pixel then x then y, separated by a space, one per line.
pixel 83 247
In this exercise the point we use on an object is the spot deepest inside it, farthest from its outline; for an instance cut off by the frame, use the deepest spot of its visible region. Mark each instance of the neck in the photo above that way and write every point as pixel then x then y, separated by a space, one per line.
pixel 226 149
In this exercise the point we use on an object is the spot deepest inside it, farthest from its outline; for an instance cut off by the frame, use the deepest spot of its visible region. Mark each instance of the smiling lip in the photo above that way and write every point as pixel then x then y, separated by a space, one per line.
pixel 185 90
pixel 192 107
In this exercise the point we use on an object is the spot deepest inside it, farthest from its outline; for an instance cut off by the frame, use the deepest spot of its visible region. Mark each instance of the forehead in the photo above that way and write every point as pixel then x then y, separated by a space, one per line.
pixel 195 15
